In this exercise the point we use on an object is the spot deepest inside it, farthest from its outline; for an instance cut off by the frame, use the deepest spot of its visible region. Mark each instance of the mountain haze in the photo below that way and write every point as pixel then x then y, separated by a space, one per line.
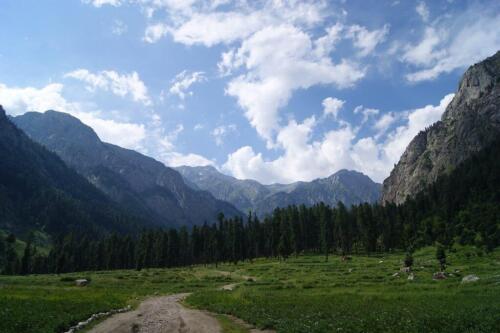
pixel 146 186
pixel 350 187
pixel 471 122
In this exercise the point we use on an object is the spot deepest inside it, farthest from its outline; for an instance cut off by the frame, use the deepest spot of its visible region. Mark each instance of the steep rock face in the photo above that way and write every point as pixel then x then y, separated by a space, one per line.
pixel 143 184
pixel 350 187
pixel 471 122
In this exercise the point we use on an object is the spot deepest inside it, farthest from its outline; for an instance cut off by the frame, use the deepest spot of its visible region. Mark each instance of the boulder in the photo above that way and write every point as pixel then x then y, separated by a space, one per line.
pixel 439 276
pixel 395 274
pixel 82 282
pixel 470 278
pixel 405 269
pixel 411 277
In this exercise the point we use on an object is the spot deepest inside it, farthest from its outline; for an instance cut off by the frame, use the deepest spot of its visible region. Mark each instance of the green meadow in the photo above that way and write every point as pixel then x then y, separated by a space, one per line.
pixel 302 294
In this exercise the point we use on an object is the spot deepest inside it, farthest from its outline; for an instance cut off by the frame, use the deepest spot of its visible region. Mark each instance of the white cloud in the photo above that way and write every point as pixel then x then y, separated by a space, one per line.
pixel 222 131
pixel 366 112
pixel 305 159
pixel 280 60
pixel 100 3
pixel 183 81
pixel 123 134
pixel 366 41
pixel 119 84
pixel 424 52
pixel 384 122
pixel 418 120
pixel 155 32
pixel 17 101
pixel 174 159
pixel 167 141
pixel 423 11
pixel 228 26
pixel 332 106
pixel 454 42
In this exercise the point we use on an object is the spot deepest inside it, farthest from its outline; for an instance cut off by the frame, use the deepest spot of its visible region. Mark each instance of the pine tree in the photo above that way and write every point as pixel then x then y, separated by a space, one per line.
pixel 441 256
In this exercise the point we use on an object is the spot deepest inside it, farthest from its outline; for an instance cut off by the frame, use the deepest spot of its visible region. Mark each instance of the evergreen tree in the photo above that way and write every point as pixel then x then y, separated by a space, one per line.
pixel 441 256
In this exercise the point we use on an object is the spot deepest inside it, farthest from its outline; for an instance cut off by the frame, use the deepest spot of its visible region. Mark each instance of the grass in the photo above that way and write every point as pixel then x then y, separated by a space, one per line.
pixel 228 325
pixel 303 294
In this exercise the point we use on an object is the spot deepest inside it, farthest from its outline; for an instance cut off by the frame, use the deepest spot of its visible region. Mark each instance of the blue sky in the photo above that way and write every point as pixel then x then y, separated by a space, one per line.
pixel 277 91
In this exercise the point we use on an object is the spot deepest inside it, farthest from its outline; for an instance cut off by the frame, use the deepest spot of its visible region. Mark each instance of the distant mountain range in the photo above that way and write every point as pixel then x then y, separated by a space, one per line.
pixel 141 184
pixel 470 123
pixel 350 187
pixel 38 191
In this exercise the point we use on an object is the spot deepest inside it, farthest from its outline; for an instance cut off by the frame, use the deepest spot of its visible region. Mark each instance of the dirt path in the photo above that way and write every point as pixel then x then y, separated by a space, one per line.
pixel 166 315
pixel 160 315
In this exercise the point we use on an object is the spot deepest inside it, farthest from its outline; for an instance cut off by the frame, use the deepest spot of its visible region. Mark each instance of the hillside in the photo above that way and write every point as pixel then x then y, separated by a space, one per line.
pixel 471 122
pixel 350 187
pixel 141 183
pixel 38 191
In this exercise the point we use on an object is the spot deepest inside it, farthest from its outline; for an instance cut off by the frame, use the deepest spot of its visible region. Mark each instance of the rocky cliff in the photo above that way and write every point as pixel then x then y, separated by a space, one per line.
pixel 471 122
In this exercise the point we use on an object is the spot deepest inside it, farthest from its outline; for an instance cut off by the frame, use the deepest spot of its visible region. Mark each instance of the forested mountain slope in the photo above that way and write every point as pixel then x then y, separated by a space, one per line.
pixel 146 186
pixel 39 191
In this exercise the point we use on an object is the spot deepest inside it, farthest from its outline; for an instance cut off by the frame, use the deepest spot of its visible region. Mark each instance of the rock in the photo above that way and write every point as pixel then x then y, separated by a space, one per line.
pixel 350 270
pixel 82 282
pixel 395 274
pixel 411 277
pixel 470 123
pixel 439 276
pixel 470 278
pixel 381 261
pixel 405 269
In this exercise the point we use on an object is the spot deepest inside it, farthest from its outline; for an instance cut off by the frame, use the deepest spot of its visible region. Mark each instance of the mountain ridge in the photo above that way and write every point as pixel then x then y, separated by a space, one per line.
pixel 145 185
pixel 262 199
pixel 39 191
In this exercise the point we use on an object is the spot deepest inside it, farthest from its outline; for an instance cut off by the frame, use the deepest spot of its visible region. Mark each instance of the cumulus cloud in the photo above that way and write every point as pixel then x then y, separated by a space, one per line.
pixel 183 81
pixel 128 84
pixel 332 106
pixel 17 101
pixel 175 159
pixel 453 42
pixel 306 159
pixel 280 60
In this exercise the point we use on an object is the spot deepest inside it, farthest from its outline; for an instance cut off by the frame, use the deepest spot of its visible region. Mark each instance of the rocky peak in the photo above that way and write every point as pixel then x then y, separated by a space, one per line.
pixel 471 122
pixel 3 116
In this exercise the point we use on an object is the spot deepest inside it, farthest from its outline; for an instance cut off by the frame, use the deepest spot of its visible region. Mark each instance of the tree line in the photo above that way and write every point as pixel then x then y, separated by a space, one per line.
pixel 461 207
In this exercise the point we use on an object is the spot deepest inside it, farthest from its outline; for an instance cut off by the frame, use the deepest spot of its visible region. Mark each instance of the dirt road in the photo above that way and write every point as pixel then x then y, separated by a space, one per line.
pixel 160 315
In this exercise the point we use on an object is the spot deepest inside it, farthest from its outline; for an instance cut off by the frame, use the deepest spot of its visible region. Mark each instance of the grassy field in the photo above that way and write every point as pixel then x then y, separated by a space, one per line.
pixel 303 294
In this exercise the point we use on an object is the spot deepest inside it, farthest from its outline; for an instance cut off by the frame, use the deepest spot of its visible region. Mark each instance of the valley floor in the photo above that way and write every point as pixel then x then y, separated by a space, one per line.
pixel 303 294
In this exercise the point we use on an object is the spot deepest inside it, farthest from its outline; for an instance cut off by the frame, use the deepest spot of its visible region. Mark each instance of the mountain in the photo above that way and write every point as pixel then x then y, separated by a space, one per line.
pixel 39 191
pixel 144 185
pixel 350 187
pixel 471 122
